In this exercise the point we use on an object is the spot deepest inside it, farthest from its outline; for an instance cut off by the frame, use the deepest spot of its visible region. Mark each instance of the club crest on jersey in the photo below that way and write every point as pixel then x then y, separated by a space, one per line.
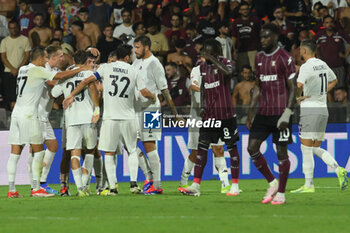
pixel 273 63
pixel 151 120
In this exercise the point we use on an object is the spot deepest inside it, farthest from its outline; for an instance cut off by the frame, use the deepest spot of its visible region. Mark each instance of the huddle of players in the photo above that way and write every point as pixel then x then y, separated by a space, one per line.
pixel 122 85
pixel 275 91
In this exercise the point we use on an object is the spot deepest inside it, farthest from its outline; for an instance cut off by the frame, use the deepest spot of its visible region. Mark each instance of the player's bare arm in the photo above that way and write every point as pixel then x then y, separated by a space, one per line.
pixel 67 102
pixel 170 102
pixel 332 84
pixel 253 103
pixel 147 94
pixel 284 119
pixel 95 99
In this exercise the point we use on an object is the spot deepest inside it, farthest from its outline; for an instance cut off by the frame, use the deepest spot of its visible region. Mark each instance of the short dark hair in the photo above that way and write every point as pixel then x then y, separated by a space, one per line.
pixel 323 7
pixel 78 24
pixel 52 49
pixel 318 4
pixel 178 15
pixel 144 40
pixel 80 57
pixel 272 27
pixel 58 29
pixel 123 50
pixel 24 1
pixel 54 40
pixel 243 3
pixel 205 11
pixel 113 54
pixel 215 46
pixel 310 44
pixel 13 22
pixel 108 26
pixel 84 10
pixel 223 24
pixel 126 10
pixel 37 52
pixel 180 43
pixel 246 66
pixel 341 88
pixel 38 14
pixel 135 25
pixel 191 26
pixel 327 16
pixel 173 64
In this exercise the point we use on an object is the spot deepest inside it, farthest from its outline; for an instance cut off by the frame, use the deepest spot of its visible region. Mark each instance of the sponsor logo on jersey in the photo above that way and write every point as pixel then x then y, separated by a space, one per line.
pixel 211 85
pixel 268 78
pixel 151 120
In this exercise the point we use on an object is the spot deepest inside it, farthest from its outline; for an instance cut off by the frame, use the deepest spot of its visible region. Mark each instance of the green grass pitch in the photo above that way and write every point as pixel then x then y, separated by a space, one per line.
pixel 327 210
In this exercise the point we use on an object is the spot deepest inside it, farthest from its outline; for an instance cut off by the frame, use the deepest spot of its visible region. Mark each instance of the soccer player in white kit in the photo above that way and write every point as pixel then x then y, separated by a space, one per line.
pixel 156 82
pixel 80 122
pixel 315 80
pixel 193 139
pixel 55 56
pixel 119 81
pixel 25 125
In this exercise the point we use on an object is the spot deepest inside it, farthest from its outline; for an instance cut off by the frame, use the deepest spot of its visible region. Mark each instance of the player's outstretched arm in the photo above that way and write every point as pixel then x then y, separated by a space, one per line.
pixel 253 103
pixel 283 122
pixel 67 102
pixel 69 73
pixel 94 96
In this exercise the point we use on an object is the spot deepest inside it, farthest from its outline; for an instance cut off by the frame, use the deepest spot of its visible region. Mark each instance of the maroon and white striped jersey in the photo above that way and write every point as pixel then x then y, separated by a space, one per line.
pixel 218 103
pixel 273 71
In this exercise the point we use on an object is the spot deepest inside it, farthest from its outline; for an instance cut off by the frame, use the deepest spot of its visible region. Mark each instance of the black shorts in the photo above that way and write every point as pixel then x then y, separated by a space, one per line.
pixel 263 126
pixel 228 132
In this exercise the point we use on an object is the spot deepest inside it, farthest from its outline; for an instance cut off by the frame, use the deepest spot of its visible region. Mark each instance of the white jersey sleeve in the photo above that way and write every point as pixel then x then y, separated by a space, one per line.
pixel 39 72
pixel 196 79
pixel 57 90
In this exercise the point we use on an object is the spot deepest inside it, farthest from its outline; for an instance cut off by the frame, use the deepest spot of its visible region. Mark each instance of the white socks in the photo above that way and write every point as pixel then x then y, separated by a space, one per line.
pixel 48 158
pixel 111 168
pixel 144 165
pixel 29 168
pixel 133 163
pixel 220 164
pixel 154 162
pixel 98 167
pixel 11 171
pixel 326 157
pixel 186 171
pixel 87 165
pixel 308 165
pixel 36 168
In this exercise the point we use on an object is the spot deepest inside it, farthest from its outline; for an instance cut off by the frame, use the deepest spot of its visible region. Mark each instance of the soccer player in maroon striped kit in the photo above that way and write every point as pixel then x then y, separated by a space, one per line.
pixel 216 73
pixel 274 90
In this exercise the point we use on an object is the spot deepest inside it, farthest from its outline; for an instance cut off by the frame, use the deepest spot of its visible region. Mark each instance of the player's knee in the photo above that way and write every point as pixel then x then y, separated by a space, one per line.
pixel 218 151
pixel 282 152
pixel 252 150
pixel 231 145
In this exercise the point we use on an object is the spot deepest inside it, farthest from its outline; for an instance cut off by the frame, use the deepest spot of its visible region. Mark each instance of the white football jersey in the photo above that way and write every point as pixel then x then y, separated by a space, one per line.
pixel 195 96
pixel 82 108
pixel 45 103
pixel 154 74
pixel 119 80
pixel 30 85
pixel 315 75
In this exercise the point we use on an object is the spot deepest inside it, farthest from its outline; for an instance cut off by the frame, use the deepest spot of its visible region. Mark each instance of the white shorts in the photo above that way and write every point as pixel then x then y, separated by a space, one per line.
pixel 76 134
pixel 115 133
pixel 25 131
pixel 147 135
pixel 193 139
pixel 313 127
pixel 47 130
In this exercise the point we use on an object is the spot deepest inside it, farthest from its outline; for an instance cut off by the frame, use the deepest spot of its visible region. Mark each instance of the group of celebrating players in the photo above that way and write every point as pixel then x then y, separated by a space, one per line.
pixel 129 90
